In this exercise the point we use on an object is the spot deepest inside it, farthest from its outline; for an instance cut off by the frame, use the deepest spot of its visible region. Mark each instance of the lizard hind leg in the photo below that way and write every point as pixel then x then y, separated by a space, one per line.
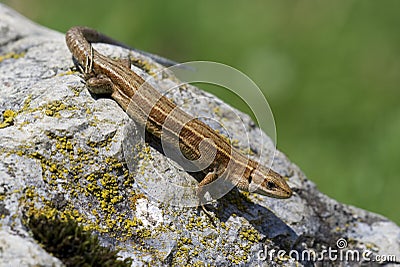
pixel 209 178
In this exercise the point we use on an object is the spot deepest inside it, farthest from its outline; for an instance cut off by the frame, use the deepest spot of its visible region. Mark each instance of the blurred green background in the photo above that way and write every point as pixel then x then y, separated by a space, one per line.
pixel 329 69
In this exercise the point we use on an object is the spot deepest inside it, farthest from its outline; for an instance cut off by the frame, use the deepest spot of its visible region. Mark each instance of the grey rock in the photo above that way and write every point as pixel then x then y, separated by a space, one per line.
pixel 17 250
pixel 64 151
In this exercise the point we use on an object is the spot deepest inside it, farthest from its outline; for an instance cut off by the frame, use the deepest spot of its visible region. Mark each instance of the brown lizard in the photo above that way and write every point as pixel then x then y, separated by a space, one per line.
pixel 151 109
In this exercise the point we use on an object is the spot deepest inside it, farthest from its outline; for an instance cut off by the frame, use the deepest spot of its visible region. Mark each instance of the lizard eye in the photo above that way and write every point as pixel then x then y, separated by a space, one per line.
pixel 271 185
pixel 250 179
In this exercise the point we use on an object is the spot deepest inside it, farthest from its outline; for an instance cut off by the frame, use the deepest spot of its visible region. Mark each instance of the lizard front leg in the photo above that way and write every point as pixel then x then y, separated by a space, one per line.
pixel 100 85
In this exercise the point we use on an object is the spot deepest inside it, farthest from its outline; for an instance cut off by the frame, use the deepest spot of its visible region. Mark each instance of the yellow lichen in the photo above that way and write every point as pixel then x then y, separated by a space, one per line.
pixel 11 55
pixel 53 108
pixel 8 118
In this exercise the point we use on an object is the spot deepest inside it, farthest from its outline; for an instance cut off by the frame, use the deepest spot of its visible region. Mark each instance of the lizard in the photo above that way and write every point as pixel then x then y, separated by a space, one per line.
pixel 104 75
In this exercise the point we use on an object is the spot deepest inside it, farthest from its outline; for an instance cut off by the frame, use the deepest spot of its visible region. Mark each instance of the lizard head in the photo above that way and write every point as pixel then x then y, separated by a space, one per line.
pixel 266 182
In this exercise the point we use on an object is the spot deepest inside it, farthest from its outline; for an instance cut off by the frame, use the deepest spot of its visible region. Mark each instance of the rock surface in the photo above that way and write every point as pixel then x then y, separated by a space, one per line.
pixel 62 152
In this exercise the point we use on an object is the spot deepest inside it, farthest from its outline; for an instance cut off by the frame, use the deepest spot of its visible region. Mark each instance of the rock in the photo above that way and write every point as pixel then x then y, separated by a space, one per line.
pixel 17 250
pixel 67 153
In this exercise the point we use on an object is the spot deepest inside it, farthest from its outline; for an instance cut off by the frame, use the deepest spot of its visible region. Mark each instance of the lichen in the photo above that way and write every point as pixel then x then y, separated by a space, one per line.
pixel 141 64
pixel 8 118
pixel 80 171
pixel 11 55
pixel 53 108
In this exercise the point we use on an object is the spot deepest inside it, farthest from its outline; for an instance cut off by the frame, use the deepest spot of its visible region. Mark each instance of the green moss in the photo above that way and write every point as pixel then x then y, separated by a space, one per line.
pixel 66 240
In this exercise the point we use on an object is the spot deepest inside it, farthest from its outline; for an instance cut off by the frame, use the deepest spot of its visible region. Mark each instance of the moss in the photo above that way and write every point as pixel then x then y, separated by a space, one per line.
pixel 66 240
